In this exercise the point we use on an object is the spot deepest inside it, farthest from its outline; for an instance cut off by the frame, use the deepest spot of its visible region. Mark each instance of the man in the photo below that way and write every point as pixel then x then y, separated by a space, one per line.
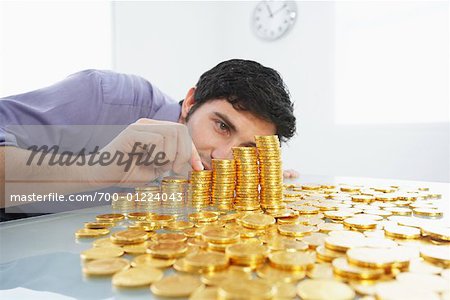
pixel 230 104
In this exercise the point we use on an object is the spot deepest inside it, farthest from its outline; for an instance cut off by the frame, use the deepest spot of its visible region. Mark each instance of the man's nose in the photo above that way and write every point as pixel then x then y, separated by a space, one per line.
pixel 223 152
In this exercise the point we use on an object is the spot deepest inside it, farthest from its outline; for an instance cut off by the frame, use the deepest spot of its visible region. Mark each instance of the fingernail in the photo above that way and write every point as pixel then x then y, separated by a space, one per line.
pixel 198 166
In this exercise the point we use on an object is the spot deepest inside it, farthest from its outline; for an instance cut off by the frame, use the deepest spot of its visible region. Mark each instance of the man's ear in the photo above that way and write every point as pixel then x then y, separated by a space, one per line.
pixel 187 103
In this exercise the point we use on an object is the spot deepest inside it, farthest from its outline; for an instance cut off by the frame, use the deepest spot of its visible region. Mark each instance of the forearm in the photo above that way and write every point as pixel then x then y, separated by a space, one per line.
pixel 27 173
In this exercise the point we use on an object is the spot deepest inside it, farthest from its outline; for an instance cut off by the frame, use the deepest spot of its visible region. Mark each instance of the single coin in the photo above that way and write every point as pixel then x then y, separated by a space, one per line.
pixel 135 249
pixel 292 261
pixel 167 250
pixel 320 271
pixel 176 286
pixel 238 288
pixel 207 261
pixel 439 255
pixel 179 225
pixel 359 222
pixel 98 225
pixel 110 217
pixel 402 290
pixel 419 265
pixel 431 281
pixel 129 236
pixel 220 236
pixel 204 293
pixel 102 252
pixel 136 277
pixel 89 233
pixel 342 268
pixel 427 212
pixel 165 238
pixel 103 242
pixel 257 221
pixel 272 274
pixel 295 230
pixel 436 232
pixel 342 244
pixel 105 266
pixel 402 232
pixel 324 289
pixel 148 260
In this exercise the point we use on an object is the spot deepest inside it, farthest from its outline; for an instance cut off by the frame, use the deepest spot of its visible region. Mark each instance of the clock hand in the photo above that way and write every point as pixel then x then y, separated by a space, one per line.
pixel 278 10
pixel 268 8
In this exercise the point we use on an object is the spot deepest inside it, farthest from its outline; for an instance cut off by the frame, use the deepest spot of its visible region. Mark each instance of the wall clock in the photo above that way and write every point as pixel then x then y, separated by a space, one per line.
pixel 273 19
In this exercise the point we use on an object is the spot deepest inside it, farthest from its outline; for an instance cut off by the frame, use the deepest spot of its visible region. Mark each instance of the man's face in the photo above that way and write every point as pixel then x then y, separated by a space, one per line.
pixel 216 127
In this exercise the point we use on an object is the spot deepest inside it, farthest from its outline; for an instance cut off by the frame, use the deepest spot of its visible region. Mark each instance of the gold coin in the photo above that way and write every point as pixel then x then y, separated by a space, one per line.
pixel 378 257
pixel 176 286
pixel 136 248
pixel 105 266
pixel 207 261
pixel 324 289
pixel 284 290
pixel 220 236
pixel 272 274
pixel 292 261
pixel 436 232
pixel 402 290
pixel 428 212
pixel 246 251
pixel 257 221
pixel 104 242
pixel 204 293
pixel 245 289
pixel 179 225
pixel 327 255
pixel 359 222
pixel 342 244
pixel 88 233
pixel 216 278
pixel 166 238
pixel 110 217
pixel 98 225
pixel 139 215
pixel 149 261
pixel 439 255
pixel 320 271
pixel 204 216
pixel 129 236
pixel 431 281
pixel 295 230
pixel 342 268
pixel 167 250
pixel 136 277
pixel 102 252
pixel 402 232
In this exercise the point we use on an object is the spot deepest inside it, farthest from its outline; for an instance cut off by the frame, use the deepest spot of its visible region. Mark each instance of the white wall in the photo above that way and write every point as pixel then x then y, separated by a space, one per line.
pixel 172 43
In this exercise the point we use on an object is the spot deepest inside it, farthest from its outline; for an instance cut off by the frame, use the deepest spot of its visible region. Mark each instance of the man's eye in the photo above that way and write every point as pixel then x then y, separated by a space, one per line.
pixel 223 126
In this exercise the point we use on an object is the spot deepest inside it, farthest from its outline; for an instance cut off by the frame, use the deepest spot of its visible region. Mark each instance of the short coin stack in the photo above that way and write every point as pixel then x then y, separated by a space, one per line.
pixel 147 198
pixel 173 195
pixel 122 202
pixel 199 194
pixel 223 184
pixel 271 172
pixel 247 178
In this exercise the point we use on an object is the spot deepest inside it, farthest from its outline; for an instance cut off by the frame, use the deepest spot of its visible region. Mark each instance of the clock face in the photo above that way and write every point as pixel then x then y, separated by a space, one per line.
pixel 272 19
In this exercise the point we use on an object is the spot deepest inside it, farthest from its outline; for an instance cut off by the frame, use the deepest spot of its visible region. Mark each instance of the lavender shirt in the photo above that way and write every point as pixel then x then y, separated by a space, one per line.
pixel 90 97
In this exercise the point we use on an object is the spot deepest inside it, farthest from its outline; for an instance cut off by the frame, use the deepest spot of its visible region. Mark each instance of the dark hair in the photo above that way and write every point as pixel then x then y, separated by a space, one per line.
pixel 249 86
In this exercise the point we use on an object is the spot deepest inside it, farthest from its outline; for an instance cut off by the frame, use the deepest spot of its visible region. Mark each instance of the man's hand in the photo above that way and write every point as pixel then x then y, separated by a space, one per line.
pixel 290 174
pixel 152 148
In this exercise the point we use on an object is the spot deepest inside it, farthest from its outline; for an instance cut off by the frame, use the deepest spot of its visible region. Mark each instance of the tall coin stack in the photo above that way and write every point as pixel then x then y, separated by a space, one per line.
pixel 148 198
pixel 199 193
pixel 247 178
pixel 173 195
pixel 271 172
pixel 223 183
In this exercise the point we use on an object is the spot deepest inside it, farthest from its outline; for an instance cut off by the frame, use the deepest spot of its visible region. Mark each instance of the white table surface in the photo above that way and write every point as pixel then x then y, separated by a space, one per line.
pixel 40 257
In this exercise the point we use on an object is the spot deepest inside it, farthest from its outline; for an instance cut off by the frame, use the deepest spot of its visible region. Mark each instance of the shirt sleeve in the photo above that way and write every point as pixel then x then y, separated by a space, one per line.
pixel 89 97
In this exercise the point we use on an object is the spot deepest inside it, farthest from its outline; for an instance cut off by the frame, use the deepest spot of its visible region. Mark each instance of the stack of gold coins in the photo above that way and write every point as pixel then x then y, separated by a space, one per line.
pixel 271 172
pixel 223 184
pixel 148 198
pixel 199 193
pixel 122 202
pixel 247 178
pixel 173 195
